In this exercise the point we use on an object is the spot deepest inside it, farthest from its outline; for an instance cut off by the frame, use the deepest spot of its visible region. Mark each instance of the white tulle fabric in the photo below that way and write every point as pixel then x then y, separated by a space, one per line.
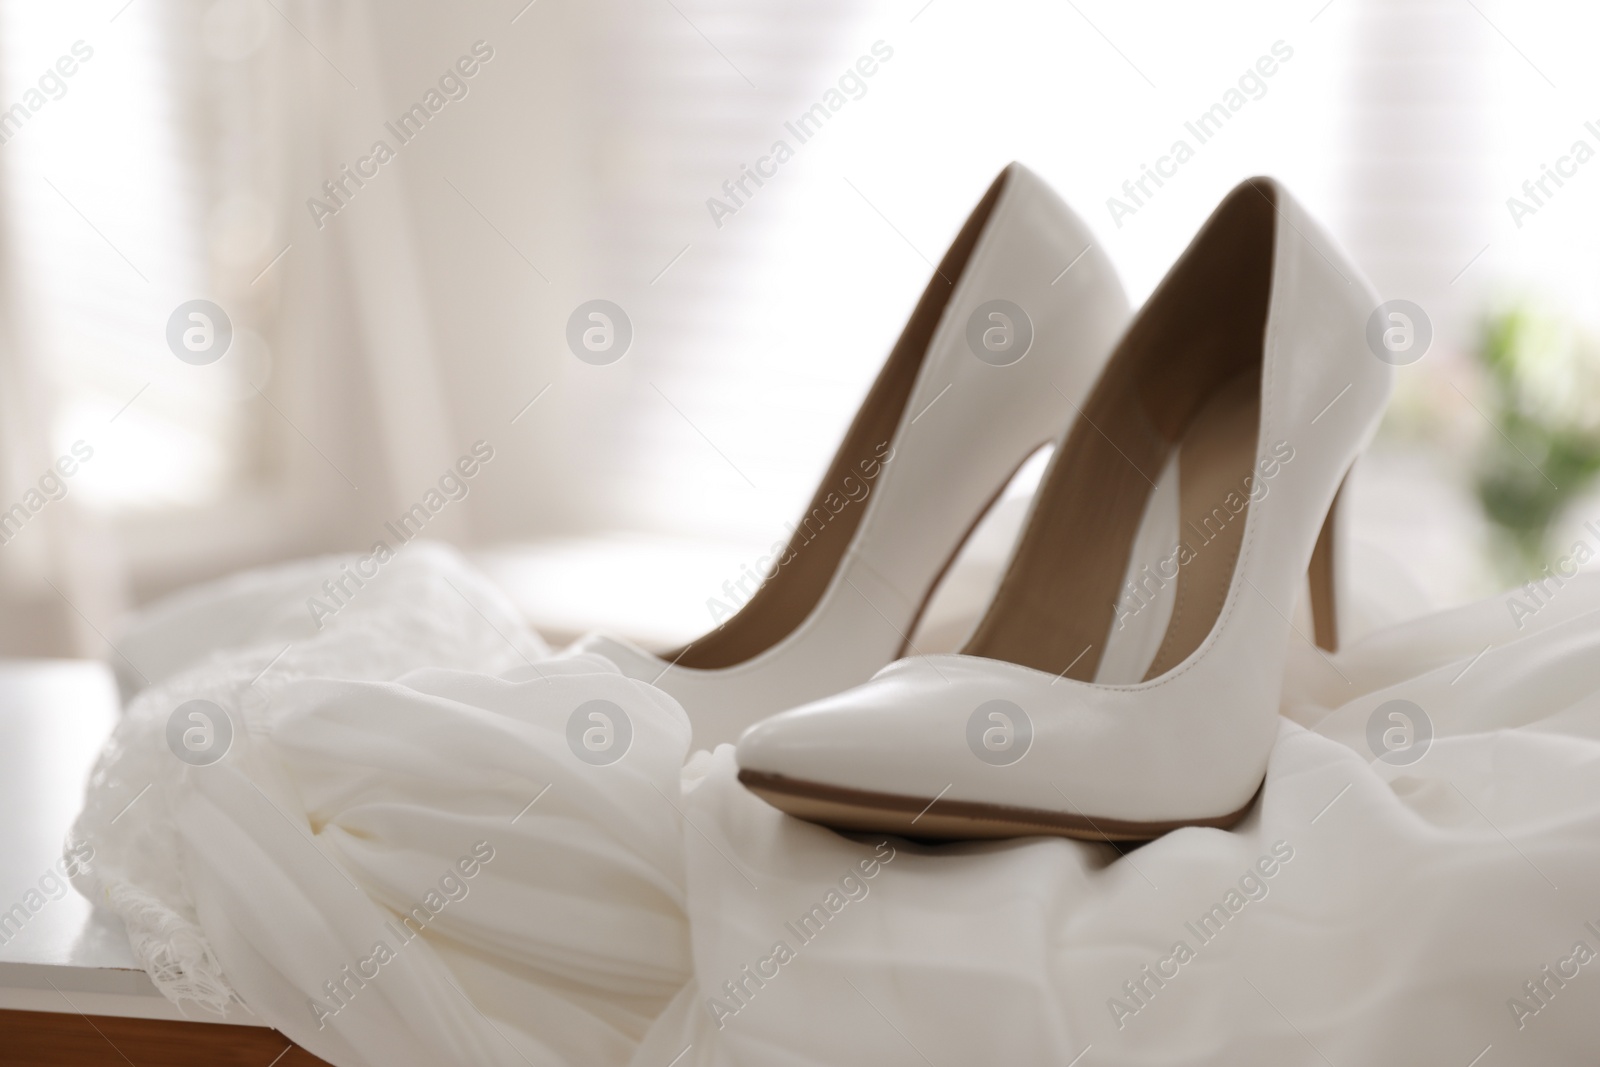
pixel 649 912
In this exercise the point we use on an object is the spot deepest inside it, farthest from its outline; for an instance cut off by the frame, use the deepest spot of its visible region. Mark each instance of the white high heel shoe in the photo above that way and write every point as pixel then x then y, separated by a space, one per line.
pixel 1004 342
pixel 1249 365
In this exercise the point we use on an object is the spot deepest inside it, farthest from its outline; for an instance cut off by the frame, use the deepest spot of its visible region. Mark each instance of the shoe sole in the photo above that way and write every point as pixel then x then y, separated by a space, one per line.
pixel 952 820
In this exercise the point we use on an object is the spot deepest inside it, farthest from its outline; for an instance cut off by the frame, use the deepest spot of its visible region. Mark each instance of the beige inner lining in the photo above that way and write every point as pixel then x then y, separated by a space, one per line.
pixel 1187 374
pixel 1215 461
pixel 820 540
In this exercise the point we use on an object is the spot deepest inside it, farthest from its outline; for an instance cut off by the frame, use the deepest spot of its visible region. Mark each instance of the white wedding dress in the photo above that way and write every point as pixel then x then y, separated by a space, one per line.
pixel 650 912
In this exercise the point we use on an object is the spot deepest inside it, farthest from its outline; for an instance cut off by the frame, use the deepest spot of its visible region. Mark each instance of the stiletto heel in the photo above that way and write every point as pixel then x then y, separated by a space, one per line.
pixel 1007 338
pixel 1323 577
pixel 1223 391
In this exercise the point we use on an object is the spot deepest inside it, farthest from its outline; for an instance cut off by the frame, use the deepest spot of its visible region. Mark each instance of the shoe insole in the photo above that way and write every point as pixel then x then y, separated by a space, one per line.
pixel 1216 467
pixel 1184 379
pixel 1149 587
pixel 1176 539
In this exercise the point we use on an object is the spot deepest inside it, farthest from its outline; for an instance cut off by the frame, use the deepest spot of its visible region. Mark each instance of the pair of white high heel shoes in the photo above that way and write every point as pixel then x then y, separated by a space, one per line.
pixel 1206 440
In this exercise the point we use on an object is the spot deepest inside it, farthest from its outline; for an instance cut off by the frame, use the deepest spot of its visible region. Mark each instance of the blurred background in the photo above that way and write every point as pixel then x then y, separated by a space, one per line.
pixel 156 152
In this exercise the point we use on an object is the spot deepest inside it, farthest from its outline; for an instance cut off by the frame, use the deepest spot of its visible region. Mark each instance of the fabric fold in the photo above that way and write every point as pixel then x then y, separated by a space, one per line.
pixel 553 878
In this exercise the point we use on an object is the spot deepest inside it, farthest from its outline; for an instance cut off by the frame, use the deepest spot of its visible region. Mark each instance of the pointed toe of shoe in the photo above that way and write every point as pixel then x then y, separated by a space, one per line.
pixel 868 759
pixel 820 742
pixel 822 762
pixel 960 747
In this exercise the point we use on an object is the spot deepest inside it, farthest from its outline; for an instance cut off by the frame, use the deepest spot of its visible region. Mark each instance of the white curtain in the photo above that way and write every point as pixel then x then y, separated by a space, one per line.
pixel 429 312
pixel 327 415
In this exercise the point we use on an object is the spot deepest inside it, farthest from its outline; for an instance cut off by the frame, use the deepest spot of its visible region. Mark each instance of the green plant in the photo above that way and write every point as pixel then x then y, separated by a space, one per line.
pixel 1544 379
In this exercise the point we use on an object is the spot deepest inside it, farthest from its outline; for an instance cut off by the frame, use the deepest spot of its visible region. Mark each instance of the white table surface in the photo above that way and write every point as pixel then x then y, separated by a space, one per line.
pixel 69 956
